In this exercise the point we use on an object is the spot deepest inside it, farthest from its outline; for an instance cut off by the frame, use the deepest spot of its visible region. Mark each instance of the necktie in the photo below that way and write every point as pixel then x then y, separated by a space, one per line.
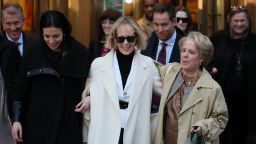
pixel 19 48
pixel 162 54
pixel 18 43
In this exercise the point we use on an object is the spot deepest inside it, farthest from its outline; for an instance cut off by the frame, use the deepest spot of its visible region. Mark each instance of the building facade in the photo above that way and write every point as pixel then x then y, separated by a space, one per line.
pixel 208 15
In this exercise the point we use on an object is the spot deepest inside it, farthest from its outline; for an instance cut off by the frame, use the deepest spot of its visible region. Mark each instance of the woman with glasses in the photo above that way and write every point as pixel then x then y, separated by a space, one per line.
pixel 234 68
pixel 183 19
pixel 121 88
pixel 98 46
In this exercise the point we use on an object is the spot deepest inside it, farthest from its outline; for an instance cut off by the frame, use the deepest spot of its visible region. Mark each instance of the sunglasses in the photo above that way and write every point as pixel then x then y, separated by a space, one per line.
pixel 183 20
pixel 129 39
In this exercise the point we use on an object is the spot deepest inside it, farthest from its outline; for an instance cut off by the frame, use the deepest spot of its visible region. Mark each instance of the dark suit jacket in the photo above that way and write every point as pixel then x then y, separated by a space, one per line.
pixel 9 63
pixel 28 41
pixel 153 41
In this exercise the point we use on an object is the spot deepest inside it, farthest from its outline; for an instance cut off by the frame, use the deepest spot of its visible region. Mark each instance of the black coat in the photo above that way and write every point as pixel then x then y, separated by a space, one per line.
pixel 9 63
pixel 151 49
pixel 50 85
pixel 95 49
pixel 224 56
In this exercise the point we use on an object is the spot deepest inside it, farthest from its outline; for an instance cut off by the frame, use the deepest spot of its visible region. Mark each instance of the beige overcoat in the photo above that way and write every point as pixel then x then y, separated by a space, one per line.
pixel 205 107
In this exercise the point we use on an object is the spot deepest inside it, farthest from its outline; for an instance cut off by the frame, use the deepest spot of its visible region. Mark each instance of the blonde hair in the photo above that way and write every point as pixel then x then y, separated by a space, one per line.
pixel 203 43
pixel 123 21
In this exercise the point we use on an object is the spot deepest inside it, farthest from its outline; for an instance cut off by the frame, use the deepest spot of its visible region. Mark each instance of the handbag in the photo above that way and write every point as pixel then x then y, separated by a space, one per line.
pixel 196 138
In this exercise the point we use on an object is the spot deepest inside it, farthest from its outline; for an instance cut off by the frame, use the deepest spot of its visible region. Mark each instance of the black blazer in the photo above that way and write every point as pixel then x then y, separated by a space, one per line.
pixel 153 41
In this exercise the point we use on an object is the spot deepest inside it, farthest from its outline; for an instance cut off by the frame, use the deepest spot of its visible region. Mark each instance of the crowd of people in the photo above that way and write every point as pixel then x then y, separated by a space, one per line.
pixel 151 81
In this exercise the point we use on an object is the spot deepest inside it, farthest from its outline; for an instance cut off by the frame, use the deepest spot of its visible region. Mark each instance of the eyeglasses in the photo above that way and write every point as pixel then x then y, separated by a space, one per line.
pixel 183 20
pixel 129 39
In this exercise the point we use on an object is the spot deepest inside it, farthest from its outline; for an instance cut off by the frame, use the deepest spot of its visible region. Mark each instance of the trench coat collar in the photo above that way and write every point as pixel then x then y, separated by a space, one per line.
pixel 108 79
pixel 194 96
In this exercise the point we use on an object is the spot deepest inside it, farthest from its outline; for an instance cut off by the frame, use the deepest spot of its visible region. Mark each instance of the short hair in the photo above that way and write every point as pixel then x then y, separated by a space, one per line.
pixel 186 10
pixel 126 20
pixel 203 44
pixel 165 7
pixel 17 9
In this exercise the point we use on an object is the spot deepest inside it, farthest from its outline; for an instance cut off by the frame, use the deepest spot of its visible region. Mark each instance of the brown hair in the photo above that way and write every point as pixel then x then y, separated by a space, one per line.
pixel 164 7
pixel 184 9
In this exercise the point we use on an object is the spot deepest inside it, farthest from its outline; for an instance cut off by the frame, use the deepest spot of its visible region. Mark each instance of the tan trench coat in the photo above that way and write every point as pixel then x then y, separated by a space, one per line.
pixel 205 107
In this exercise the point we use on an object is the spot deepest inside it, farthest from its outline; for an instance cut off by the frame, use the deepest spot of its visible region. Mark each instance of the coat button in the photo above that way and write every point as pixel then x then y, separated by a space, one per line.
pixel 125 93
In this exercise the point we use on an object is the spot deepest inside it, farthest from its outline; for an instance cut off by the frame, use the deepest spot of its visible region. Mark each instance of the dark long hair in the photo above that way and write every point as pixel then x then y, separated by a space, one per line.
pixel 110 14
pixel 186 10
pixel 54 18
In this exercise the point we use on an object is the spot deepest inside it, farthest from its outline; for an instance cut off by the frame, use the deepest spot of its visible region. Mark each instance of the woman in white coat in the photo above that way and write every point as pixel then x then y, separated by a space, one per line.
pixel 121 88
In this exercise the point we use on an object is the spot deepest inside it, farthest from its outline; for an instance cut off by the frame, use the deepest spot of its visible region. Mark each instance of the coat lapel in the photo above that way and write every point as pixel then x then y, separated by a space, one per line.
pixel 139 81
pixel 108 78
pixel 169 79
pixel 195 96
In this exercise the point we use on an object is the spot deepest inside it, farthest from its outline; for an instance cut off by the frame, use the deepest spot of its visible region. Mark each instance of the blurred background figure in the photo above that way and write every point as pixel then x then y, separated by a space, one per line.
pixel 98 47
pixel 233 67
pixel 183 19
pixel 191 101
pixel 9 66
pixel 163 43
pixel 50 84
pixel 145 22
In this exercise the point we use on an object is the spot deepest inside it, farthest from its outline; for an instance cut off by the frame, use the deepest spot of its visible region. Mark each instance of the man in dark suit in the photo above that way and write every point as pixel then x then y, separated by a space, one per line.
pixel 163 43
pixel 12 22
pixel 9 65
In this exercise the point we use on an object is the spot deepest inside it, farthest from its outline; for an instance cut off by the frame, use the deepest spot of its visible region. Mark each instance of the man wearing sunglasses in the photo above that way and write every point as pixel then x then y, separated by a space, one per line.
pixel 163 43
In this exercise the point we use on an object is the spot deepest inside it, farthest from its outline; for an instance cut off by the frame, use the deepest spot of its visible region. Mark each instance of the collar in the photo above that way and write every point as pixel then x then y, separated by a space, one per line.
pixel 146 21
pixel 20 40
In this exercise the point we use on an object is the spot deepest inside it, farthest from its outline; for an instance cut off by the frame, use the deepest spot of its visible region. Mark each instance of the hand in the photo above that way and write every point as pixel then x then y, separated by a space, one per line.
pixel 84 105
pixel 196 129
pixel 17 132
